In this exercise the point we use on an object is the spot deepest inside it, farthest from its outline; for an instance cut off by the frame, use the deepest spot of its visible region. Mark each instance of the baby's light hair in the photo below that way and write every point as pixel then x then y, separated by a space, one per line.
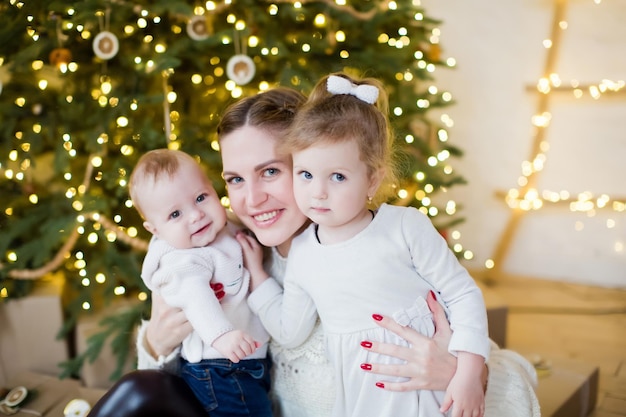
pixel 152 166
pixel 334 118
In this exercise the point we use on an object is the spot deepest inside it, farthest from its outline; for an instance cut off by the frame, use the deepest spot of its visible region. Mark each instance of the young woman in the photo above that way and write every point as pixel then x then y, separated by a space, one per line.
pixel 261 195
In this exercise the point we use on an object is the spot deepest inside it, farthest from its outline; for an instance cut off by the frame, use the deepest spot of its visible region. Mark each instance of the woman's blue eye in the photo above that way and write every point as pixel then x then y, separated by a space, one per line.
pixel 234 180
pixel 270 172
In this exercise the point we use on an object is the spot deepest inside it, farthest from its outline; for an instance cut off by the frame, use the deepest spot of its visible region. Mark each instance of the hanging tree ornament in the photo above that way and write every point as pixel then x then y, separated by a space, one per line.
pixel 198 28
pixel 59 56
pixel 105 44
pixel 240 68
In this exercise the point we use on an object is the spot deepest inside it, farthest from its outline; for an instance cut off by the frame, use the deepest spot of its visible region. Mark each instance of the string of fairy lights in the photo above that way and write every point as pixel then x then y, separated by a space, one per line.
pixel 526 197
pixel 113 228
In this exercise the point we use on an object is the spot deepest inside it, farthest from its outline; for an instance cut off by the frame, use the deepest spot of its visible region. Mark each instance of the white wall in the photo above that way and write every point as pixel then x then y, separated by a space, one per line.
pixel 499 52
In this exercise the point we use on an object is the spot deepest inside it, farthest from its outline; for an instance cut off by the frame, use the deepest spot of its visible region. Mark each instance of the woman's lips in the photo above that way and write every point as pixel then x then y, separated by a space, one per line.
pixel 265 217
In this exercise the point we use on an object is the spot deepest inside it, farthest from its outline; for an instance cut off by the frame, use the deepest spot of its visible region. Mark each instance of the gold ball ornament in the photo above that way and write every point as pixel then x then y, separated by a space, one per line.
pixel 60 56
pixel 240 69
pixel 105 45
pixel 434 53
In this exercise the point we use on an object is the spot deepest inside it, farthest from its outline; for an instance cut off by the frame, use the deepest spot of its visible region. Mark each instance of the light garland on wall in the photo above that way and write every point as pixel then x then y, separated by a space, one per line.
pixel 527 197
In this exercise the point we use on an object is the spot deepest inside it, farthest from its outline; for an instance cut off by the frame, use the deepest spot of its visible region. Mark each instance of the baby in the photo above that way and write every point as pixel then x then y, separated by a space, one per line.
pixel 193 246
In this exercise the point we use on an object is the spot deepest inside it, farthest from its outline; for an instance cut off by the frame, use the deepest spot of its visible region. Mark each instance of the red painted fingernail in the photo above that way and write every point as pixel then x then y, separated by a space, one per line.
pixel 380 385
pixel 432 294
pixel 366 344
pixel 366 366
pixel 220 295
pixel 377 317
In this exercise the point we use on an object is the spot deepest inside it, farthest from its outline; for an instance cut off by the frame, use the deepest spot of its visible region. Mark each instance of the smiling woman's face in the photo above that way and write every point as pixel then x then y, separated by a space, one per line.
pixel 260 186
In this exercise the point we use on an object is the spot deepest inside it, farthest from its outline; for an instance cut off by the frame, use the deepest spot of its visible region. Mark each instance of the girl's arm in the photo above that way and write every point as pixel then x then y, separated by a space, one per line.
pixel 436 263
pixel 289 315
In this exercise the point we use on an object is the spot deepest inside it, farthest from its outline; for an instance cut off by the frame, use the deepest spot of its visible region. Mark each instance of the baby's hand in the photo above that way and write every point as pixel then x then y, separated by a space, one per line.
pixel 252 258
pixel 235 345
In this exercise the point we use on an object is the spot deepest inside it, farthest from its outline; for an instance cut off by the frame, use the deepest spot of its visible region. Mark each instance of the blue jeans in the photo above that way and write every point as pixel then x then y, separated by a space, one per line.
pixel 231 389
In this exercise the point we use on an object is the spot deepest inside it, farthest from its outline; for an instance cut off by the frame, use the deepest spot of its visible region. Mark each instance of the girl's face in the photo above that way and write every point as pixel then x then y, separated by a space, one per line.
pixel 260 186
pixel 331 187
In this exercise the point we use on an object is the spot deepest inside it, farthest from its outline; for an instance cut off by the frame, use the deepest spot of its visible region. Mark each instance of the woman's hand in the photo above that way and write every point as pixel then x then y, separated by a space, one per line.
pixel 167 328
pixel 428 365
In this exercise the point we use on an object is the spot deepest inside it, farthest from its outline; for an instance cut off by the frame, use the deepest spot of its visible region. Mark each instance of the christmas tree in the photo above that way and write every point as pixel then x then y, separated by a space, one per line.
pixel 86 87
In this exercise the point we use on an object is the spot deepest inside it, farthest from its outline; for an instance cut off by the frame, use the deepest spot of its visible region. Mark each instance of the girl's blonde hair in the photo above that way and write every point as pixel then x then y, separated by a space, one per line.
pixel 334 118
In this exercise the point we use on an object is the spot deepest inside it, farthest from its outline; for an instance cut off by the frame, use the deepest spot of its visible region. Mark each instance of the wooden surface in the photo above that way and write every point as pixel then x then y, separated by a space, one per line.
pixel 550 319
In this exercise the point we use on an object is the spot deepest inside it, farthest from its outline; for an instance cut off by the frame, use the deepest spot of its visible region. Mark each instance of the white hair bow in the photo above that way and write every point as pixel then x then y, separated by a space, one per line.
pixel 340 85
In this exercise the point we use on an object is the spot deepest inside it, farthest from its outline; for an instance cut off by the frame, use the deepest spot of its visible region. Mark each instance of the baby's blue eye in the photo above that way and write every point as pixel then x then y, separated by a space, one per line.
pixel 175 214
pixel 306 175
pixel 200 198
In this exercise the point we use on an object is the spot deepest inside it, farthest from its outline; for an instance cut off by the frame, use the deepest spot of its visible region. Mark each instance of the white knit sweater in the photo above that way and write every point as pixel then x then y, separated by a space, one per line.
pixel 182 277
pixel 510 387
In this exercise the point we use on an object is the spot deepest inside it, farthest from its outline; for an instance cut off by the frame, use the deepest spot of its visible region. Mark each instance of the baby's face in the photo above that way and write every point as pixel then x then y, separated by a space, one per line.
pixel 184 209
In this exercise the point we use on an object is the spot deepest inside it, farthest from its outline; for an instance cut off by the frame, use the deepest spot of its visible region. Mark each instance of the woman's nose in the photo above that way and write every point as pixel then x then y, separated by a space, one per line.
pixel 256 195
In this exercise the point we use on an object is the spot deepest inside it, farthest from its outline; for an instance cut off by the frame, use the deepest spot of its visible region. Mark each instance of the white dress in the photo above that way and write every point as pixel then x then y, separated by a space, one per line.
pixel 389 268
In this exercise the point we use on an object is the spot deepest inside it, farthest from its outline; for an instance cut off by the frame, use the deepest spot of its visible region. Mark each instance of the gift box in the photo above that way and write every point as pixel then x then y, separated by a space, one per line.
pixel 97 374
pixel 566 388
pixel 28 332
pixel 497 315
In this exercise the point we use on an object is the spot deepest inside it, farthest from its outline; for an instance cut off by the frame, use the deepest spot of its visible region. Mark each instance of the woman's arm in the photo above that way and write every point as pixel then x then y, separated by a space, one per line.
pixel 288 315
pixel 508 378
pixel 158 339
